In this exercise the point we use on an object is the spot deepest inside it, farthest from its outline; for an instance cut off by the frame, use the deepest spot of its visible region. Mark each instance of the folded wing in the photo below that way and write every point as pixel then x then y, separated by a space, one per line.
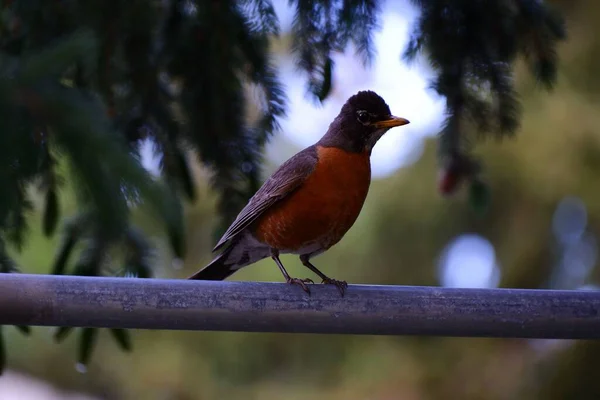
pixel 281 184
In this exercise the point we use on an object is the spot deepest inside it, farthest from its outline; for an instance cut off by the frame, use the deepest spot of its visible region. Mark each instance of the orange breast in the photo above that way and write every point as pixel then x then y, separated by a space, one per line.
pixel 324 208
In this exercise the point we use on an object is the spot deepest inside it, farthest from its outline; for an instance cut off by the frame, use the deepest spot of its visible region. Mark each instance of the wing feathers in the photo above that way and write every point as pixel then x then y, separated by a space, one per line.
pixel 288 177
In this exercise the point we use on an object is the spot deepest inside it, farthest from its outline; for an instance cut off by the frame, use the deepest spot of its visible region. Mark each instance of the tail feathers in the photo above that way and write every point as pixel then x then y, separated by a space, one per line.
pixel 217 270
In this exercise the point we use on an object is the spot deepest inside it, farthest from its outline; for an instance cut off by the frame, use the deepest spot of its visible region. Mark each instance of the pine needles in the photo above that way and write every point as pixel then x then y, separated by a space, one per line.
pixel 85 83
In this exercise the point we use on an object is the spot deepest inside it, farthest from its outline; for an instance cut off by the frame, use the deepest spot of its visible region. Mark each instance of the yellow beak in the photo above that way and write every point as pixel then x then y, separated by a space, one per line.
pixel 391 122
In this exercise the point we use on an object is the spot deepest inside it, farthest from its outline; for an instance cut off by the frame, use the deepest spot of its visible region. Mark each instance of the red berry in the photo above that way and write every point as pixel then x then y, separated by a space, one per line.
pixel 449 181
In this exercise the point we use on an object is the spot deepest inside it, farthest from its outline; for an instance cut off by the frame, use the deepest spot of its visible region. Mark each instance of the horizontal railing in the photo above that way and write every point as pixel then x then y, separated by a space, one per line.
pixel 279 307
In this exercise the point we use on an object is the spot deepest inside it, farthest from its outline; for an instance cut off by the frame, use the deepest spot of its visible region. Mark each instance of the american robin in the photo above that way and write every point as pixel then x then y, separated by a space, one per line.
pixel 312 200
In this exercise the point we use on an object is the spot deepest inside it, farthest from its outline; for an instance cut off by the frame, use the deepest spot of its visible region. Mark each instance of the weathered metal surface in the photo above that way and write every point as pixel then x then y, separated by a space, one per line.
pixel 278 307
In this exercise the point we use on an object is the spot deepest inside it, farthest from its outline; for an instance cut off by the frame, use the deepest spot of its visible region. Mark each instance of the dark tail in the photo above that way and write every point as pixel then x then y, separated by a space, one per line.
pixel 217 270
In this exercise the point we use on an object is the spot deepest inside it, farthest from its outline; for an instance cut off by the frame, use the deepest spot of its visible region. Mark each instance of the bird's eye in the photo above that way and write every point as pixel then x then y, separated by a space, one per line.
pixel 363 117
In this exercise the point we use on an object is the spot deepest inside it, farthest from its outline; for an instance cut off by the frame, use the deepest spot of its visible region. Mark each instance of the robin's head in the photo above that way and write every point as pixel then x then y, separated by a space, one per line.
pixel 363 120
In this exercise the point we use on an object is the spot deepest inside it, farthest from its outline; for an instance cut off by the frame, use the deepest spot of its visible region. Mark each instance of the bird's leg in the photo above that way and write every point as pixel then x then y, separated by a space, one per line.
pixel 288 278
pixel 341 285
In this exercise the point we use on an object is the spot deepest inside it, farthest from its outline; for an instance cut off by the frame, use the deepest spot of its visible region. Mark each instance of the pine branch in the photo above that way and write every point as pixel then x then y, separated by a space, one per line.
pixel 86 83
pixel 228 51
pixel 139 256
pixel 73 231
pixel 7 264
pixel 262 14
pixel 472 46
pixel 323 27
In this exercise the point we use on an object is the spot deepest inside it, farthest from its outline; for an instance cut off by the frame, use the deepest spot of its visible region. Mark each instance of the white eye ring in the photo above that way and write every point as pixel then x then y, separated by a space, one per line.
pixel 363 117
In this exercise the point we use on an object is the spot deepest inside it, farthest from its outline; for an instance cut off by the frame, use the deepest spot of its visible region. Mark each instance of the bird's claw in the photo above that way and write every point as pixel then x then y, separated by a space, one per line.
pixel 302 283
pixel 341 285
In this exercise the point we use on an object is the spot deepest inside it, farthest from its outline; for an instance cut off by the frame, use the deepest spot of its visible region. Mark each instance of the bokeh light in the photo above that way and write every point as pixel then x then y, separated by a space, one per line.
pixel 469 261
pixel 577 248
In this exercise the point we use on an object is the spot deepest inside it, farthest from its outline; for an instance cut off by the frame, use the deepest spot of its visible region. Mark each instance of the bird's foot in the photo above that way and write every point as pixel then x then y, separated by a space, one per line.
pixel 301 282
pixel 341 285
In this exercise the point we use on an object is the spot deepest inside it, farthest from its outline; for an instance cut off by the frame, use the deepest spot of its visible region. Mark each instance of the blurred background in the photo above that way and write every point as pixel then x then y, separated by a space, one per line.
pixel 540 231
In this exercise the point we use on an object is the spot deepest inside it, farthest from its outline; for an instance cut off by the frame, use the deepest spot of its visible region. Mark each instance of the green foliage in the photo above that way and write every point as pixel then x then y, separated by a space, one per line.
pixel 472 46
pixel 479 196
pixel 87 85
pixel 122 337
pixel 25 330
pixel 227 52
pixel 83 84
pixel 86 345
pixel 323 27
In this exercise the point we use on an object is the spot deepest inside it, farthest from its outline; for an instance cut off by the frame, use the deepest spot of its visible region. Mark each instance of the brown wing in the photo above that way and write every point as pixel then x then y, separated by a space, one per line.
pixel 284 181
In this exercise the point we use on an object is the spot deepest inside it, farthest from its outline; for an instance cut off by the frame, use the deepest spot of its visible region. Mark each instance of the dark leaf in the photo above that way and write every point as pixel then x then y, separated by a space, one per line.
pixel 92 257
pixel 61 333
pixel 54 60
pixel 17 226
pixel 327 78
pixel 7 264
pixel 51 213
pixel 139 254
pixel 263 12
pixel 87 341
pixel 122 338
pixel 63 255
pixel 73 231
pixel 24 329
pixel 479 196
pixel 185 176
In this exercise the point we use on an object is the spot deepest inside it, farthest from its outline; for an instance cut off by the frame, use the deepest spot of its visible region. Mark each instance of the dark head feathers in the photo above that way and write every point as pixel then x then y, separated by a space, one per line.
pixel 366 100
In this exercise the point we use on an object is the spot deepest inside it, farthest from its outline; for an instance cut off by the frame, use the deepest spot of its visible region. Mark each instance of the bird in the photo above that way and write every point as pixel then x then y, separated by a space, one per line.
pixel 309 203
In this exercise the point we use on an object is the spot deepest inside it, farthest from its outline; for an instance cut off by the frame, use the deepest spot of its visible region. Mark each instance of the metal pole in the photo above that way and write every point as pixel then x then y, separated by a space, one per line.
pixel 278 307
